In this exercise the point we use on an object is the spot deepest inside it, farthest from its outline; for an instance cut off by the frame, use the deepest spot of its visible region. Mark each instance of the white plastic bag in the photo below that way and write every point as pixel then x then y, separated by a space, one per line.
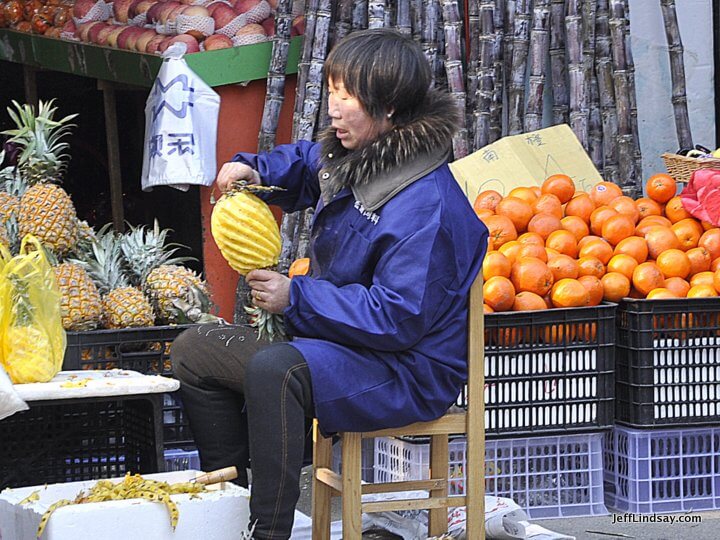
pixel 10 401
pixel 181 116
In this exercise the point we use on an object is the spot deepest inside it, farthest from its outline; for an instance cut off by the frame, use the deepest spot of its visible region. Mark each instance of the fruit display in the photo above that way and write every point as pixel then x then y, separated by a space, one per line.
pixel 150 26
pixel 553 247
pixel 106 279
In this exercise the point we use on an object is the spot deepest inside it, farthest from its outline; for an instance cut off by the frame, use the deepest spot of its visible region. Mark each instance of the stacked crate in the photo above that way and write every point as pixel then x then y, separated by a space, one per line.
pixel 662 456
pixel 549 398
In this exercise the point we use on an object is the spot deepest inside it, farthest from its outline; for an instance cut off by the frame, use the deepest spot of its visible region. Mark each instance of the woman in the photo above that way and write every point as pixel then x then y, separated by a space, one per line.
pixel 378 327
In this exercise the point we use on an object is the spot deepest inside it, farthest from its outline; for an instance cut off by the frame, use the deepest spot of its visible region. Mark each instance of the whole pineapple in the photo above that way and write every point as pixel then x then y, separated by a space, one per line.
pixel 48 213
pixel 80 304
pixel 123 306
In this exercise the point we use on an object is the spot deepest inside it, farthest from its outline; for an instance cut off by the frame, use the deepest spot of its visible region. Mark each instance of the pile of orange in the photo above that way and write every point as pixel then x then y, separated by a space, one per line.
pixel 552 247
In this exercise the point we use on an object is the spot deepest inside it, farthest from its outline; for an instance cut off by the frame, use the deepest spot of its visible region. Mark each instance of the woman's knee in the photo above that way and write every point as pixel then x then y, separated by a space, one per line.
pixel 271 364
pixel 184 353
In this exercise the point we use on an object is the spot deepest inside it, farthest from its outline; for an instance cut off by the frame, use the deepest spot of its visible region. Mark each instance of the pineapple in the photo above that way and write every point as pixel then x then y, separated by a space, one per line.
pixel 48 213
pixel 123 305
pixel 80 305
pixel 39 135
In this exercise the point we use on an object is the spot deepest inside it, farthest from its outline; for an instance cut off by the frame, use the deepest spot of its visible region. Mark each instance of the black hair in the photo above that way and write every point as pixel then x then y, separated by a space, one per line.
pixel 385 70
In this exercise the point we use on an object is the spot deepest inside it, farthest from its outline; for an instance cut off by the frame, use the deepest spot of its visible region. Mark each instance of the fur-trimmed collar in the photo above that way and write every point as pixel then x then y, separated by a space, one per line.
pixel 428 133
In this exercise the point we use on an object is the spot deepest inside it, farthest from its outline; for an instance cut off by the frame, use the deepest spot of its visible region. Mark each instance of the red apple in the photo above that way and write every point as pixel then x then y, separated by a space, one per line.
pixel 124 36
pixel 82 7
pixel 243 6
pixel 69 27
pixel 171 14
pixel 298 26
pixel 94 32
pixel 153 14
pixel 112 37
pixel 154 43
pixel 102 36
pixel 196 11
pixel 143 39
pixel 223 15
pixel 269 25
pixel 130 43
pixel 140 6
pixel 192 44
pixel 250 29
pixel 214 5
pixel 121 9
pixel 85 28
pixel 217 41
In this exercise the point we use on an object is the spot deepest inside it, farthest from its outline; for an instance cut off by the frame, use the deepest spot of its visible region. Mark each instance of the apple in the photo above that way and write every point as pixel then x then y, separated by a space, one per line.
pixel 121 10
pixel 195 11
pixel 298 26
pixel 212 6
pixel 82 7
pixel 124 36
pixel 217 41
pixel 223 15
pixel 140 6
pixel 269 25
pixel 85 28
pixel 131 42
pixel 192 44
pixel 153 14
pixel 69 27
pixel 94 32
pixel 112 37
pixel 102 35
pixel 243 6
pixel 273 4
pixel 144 38
pixel 170 15
pixel 250 29
pixel 152 46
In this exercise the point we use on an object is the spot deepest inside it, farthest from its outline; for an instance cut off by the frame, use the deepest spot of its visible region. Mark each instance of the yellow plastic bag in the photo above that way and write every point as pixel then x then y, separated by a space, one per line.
pixel 33 339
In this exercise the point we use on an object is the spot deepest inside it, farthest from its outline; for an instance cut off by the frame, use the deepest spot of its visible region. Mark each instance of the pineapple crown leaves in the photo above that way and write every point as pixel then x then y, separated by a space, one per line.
pixel 145 249
pixel 195 308
pixel 39 135
pixel 104 261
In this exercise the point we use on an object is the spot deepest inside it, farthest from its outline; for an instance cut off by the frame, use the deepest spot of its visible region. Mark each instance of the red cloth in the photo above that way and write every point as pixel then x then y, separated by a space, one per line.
pixel 701 196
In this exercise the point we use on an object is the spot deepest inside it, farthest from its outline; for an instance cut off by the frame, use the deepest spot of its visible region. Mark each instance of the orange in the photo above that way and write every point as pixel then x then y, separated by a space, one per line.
pixel 716 280
pixel 678 286
pixel 647 207
pixel 700 260
pixel 625 264
pixel 702 291
pixel 531 274
pixel 531 238
pixel 598 218
pixel 562 241
pixel 488 199
pixel 710 240
pixel 646 277
pixel 661 188
pixel 483 213
pixel 487 309
pixel 617 228
pixel 576 226
pixel 563 266
pixel 706 225
pixel 501 229
pixel 673 263
pixel 626 206
pixel 661 292
pixel 569 293
pixel 651 221
pixel 525 193
pixel 597 248
pixel 660 239
pixel 499 293
pixel 688 231
pixel 604 193
pixel 560 185
pixel 635 246
pixel 548 204
pixel 299 267
pixel 532 250
pixel 714 265
pixel 615 286
pixel 496 264
pixel 675 211
pixel 581 206
pixel 517 210
pixel 702 278
pixel 590 266
pixel 586 240
pixel 528 301
pixel 594 287
pixel 510 250
pixel 544 224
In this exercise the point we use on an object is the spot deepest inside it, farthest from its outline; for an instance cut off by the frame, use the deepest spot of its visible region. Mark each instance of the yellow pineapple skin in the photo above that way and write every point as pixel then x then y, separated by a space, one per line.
pixel 246 232
pixel 9 205
pixel 48 213
pixel 127 307
pixel 167 283
pixel 80 302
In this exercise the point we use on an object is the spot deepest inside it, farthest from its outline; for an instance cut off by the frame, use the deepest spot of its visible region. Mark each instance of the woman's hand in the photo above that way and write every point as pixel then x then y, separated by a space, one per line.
pixel 270 290
pixel 232 172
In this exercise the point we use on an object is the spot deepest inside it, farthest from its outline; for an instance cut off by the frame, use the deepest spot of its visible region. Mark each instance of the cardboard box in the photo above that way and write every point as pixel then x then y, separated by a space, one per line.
pixel 220 514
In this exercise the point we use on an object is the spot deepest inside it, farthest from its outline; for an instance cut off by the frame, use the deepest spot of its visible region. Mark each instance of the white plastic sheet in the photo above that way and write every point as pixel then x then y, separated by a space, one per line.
pixel 10 401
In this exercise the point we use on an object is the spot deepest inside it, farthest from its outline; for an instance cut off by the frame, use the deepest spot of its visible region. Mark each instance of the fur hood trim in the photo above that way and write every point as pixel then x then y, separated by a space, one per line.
pixel 429 132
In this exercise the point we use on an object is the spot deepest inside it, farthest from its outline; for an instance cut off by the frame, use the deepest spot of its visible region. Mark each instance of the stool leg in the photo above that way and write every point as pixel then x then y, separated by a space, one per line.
pixel 321 493
pixel 439 461
pixel 352 491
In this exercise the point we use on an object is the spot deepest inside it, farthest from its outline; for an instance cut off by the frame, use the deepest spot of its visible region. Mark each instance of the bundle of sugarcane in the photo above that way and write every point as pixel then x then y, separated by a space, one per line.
pixel 606 91
pixel 539 48
pixel 558 66
pixel 516 86
pixel 452 25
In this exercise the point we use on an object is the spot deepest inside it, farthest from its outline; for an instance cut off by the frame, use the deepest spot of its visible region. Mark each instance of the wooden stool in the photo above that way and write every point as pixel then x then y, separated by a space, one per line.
pixel 328 484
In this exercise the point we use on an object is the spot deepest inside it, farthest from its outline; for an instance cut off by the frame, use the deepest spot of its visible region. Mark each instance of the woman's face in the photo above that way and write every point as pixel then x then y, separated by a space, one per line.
pixel 354 126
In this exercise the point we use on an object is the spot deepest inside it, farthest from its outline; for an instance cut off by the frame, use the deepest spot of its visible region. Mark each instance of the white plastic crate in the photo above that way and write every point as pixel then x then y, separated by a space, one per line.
pixel 547 476
pixel 367 459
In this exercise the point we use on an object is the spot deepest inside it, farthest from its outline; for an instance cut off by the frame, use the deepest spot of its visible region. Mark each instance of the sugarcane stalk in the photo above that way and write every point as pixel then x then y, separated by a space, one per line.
pixel 390 13
pixel 677 74
pixel 311 9
pixel 516 90
pixel 485 75
pixel 360 15
pixel 376 13
pixel 633 94
pixel 416 9
pixel 452 26
pixel 429 36
pixel 539 48
pixel 472 64
pixel 579 94
pixel 606 92
pixel 558 66
pixel 509 37
pixel 343 21
pixel 275 93
pixel 589 10
pixel 496 104
pixel 404 17
pixel 440 75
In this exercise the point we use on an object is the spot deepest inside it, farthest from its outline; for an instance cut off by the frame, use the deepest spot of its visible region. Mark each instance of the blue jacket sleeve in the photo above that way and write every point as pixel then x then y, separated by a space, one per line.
pixel 294 168
pixel 407 296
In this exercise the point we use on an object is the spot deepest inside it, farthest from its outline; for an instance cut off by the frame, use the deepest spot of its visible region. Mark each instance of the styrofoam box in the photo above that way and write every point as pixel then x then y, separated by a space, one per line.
pixel 220 514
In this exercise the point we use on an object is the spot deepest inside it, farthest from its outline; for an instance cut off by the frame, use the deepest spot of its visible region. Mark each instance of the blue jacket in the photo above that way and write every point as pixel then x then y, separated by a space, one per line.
pixel 382 317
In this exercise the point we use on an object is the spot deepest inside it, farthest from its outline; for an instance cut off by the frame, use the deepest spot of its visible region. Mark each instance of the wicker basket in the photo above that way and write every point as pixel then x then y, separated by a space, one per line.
pixel 682 167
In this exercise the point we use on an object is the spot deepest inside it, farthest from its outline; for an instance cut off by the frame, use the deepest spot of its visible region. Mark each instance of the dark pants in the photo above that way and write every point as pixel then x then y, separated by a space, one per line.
pixel 249 403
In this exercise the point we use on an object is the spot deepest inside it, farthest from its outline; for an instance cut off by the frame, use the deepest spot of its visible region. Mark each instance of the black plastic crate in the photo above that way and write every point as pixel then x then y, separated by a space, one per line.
pixel 549 372
pixel 145 350
pixel 81 439
pixel 668 362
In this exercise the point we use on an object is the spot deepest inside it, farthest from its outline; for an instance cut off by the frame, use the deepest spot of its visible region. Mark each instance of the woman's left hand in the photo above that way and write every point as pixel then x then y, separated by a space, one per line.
pixel 270 290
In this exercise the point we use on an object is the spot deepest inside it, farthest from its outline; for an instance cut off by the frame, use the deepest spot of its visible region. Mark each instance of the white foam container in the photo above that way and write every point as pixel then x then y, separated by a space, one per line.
pixel 221 514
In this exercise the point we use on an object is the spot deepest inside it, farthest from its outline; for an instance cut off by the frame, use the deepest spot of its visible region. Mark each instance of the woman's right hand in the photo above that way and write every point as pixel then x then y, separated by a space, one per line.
pixel 234 171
